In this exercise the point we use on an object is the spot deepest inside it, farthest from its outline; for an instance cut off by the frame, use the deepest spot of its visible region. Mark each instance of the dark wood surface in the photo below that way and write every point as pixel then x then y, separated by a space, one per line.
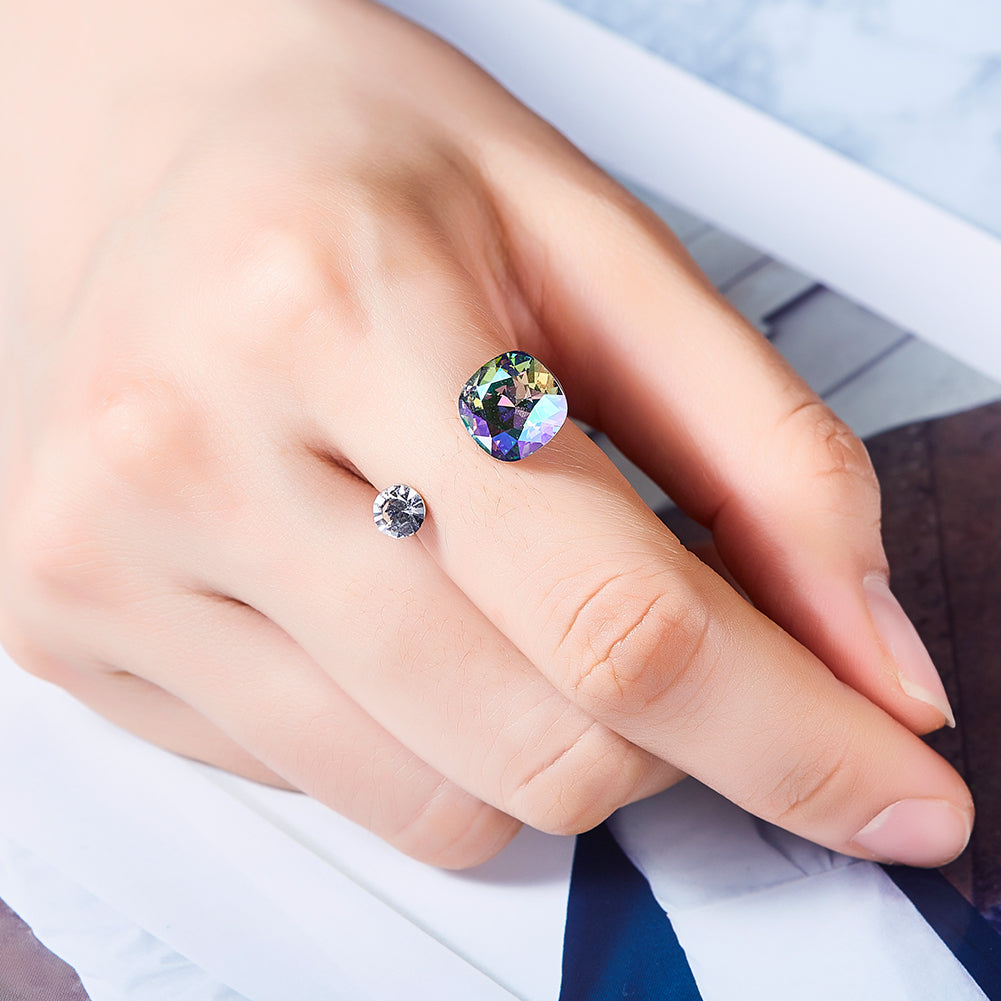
pixel 28 971
pixel 942 527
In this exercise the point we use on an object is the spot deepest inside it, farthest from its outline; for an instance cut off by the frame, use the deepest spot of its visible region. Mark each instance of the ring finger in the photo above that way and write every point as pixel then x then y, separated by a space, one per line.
pixel 223 680
pixel 422 660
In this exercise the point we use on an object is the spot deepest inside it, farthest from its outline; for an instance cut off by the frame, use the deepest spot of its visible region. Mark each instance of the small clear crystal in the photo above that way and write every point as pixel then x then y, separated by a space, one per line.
pixel 399 511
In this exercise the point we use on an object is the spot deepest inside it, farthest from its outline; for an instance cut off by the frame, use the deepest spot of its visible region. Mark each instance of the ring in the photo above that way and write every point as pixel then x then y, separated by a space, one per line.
pixel 399 511
pixel 512 406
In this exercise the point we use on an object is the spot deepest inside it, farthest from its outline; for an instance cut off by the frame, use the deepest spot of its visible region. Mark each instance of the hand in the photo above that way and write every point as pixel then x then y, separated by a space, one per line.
pixel 254 252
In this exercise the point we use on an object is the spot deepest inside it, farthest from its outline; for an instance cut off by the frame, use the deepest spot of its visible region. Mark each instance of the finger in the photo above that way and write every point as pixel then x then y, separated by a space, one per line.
pixel 146 710
pixel 420 659
pixel 560 553
pixel 138 706
pixel 250 681
pixel 705 405
pixel 502 734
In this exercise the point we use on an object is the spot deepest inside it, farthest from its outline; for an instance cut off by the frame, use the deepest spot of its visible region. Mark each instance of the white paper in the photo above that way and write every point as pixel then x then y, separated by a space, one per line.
pixel 115 958
pixel 250 883
pixel 762 913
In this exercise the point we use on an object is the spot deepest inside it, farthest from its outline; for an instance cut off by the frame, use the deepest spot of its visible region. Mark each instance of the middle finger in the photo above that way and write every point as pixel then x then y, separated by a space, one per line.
pixel 419 658
pixel 562 556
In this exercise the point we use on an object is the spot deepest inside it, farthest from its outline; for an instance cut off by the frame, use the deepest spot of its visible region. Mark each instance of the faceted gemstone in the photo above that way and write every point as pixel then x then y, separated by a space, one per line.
pixel 399 511
pixel 512 406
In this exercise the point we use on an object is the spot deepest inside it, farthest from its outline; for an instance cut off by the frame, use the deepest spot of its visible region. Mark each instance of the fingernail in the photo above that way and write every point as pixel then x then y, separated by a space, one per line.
pixel 915 670
pixel 924 832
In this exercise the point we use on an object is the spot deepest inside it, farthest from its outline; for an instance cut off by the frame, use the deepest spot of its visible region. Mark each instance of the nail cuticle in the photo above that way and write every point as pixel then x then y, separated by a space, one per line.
pixel 915 671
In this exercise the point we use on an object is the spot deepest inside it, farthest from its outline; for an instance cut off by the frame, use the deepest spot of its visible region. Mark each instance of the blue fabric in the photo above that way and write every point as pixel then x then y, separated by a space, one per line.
pixel 957 922
pixel 619 944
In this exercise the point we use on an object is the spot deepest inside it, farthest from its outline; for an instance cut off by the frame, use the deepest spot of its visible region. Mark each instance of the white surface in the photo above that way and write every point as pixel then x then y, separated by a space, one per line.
pixel 797 200
pixel 912 383
pixel 115 958
pixel 505 918
pixel 762 913
pixel 249 883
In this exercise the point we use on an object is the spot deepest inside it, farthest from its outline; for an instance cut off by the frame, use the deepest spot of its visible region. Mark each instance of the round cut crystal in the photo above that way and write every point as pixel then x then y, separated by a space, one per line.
pixel 512 406
pixel 399 511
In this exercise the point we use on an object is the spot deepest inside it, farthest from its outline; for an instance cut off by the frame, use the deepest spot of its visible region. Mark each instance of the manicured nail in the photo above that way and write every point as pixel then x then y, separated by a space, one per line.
pixel 915 670
pixel 925 832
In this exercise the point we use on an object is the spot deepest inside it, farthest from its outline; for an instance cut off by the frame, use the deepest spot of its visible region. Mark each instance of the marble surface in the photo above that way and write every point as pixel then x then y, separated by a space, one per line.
pixel 909 88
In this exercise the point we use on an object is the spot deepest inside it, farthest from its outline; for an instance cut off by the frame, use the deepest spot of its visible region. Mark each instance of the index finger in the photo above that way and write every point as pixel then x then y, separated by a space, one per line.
pixel 566 560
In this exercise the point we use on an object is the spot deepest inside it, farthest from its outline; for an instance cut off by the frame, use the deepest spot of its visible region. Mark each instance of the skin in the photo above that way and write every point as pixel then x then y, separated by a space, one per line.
pixel 251 252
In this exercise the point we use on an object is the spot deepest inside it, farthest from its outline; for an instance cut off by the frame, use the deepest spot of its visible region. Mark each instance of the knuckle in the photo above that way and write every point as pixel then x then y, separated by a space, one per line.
pixel 581 785
pixel 382 787
pixel 281 276
pixel 633 643
pixel 811 785
pixel 454 830
pixel 827 448
pixel 33 657
pixel 51 550
pixel 145 433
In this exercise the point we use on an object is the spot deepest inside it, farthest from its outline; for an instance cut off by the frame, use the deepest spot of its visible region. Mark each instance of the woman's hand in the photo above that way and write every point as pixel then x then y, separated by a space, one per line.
pixel 251 254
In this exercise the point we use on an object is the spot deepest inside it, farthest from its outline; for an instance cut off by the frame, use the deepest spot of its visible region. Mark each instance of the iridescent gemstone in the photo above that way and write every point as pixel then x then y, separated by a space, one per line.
pixel 398 511
pixel 512 406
